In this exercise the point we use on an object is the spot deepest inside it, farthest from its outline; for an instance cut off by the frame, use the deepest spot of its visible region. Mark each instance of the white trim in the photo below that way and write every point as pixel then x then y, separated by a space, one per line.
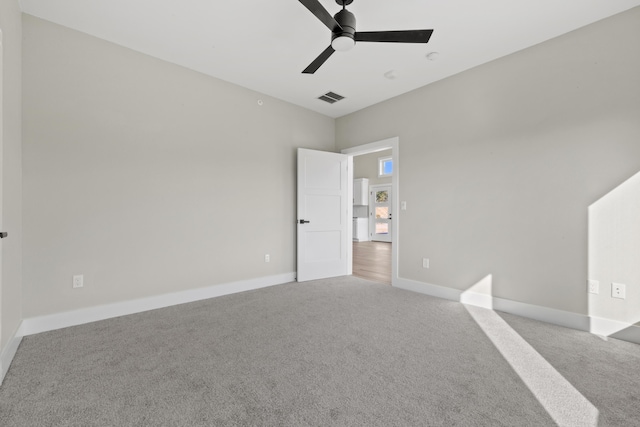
pixel 81 316
pixel 382 160
pixel 614 329
pixel 567 319
pixel 477 299
pixel 536 312
pixel 606 327
pixel 6 357
pixel 428 289
pixel 373 147
pixel 349 215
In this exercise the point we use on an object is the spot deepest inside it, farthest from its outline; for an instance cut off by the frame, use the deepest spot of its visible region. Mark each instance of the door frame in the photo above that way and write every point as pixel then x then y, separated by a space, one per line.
pixel 373 147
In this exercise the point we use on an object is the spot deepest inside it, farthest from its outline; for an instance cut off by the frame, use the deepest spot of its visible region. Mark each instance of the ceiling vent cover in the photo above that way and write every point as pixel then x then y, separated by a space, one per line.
pixel 331 97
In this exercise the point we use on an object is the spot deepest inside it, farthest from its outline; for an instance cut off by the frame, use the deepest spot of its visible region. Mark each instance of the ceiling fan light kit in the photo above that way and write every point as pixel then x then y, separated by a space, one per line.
pixel 344 39
pixel 344 35
pixel 343 43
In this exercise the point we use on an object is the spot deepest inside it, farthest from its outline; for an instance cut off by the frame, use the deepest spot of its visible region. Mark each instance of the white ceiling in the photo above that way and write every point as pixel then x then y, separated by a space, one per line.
pixel 264 45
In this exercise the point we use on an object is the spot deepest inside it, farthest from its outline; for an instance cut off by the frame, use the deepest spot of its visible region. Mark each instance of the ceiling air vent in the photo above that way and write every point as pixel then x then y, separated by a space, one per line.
pixel 331 97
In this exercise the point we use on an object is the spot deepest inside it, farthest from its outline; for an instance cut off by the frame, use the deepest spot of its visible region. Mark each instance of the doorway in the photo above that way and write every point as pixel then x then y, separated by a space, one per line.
pixel 380 216
pixel 372 254
pixel 375 258
pixel 372 261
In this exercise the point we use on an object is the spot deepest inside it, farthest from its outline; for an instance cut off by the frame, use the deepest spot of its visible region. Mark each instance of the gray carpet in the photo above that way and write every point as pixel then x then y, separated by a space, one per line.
pixel 343 352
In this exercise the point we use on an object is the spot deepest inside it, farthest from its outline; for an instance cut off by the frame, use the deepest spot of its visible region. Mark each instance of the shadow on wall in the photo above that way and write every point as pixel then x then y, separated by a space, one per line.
pixel 613 267
pixel 613 310
pixel 614 262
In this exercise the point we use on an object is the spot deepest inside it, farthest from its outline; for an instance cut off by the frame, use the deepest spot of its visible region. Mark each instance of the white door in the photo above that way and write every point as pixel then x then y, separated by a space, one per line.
pixel 1 148
pixel 380 213
pixel 322 214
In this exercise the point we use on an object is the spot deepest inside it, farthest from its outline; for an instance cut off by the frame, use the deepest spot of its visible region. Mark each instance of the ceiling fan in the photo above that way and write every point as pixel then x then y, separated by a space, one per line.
pixel 344 35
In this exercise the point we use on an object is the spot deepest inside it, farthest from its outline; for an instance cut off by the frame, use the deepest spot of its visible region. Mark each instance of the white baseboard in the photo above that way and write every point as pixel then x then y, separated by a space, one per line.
pixel 536 312
pixel 6 356
pixel 427 289
pixel 477 299
pixel 30 326
pixel 615 329
pixel 51 322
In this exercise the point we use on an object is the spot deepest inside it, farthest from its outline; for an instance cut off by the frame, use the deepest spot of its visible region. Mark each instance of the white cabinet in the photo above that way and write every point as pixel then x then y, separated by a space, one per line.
pixel 360 229
pixel 361 191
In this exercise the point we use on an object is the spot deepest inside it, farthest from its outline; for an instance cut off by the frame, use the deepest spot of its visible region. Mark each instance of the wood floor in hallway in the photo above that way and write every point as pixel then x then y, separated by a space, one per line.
pixel 372 261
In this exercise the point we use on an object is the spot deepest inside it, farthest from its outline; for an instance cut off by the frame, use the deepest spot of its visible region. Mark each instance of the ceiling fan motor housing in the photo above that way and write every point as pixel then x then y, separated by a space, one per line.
pixel 347 21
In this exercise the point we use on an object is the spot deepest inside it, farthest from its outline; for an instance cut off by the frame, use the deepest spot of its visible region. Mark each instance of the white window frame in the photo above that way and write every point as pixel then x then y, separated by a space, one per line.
pixel 381 161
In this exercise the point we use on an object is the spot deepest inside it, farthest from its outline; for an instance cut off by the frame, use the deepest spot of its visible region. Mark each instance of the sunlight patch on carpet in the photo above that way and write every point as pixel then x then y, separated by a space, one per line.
pixel 566 405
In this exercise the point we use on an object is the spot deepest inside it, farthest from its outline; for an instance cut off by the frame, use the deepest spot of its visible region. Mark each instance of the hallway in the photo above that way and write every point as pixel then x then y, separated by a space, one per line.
pixel 372 261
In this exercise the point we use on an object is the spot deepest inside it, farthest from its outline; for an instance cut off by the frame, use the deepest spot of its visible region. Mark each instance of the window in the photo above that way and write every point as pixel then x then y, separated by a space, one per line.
pixel 382 196
pixel 385 166
pixel 382 212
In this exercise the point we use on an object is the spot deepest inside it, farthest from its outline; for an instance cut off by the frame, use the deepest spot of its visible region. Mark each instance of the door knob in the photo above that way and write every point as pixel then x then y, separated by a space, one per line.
pixel 302 221
pixel 3 234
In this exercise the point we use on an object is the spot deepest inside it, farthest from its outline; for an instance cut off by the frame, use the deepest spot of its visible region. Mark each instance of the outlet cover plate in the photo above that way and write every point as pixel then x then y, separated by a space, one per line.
pixel 594 287
pixel 78 281
pixel 618 290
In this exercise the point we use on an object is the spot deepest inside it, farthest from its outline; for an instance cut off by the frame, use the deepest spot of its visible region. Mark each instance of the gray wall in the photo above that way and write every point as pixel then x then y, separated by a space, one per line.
pixel 149 178
pixel 614 251
pixel 500 164
pixel 11 169
pixel 143 176
pixel 366 166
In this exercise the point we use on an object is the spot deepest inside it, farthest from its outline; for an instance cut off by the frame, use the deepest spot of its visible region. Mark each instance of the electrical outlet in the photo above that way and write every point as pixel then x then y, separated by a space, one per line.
pixel 267 258
pixel 594 286
pixel 425 262
pixel 618 290
pixel 78 281
pixel 403 206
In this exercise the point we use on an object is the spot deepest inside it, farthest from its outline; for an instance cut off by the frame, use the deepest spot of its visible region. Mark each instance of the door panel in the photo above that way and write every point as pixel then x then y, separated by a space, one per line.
pixel 323 246
pixel 323 209
pixel 322 205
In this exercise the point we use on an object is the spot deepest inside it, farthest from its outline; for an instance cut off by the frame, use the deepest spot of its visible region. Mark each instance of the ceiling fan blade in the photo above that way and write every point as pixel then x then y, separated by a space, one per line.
pixel 313 67
pixel 321 13
pixel 407 36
